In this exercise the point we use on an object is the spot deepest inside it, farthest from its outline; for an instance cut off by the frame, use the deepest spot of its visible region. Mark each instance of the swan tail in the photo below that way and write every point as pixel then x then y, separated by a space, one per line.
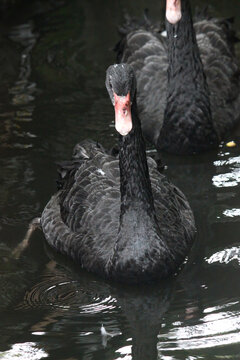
pixel 131 24
pixel 86 149
pixel 226 24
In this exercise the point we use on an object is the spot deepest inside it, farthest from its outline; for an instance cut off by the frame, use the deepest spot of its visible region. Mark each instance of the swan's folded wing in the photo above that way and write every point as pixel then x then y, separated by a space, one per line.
pixel 82 218
pixel 146 52
pixel 90 192
pixel 215 41
pixel 174 214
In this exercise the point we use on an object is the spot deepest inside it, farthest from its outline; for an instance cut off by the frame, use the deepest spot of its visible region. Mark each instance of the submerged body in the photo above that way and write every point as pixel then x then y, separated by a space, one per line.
pixel 119 218
pixel 188 82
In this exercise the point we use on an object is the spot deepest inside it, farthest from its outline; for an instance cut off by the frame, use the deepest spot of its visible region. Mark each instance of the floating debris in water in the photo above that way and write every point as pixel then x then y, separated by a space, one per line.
pixel 231 144
pixel 106 335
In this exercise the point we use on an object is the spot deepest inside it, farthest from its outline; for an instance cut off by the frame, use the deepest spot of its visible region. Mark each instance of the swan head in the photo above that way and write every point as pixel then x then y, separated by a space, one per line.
pixel 121 86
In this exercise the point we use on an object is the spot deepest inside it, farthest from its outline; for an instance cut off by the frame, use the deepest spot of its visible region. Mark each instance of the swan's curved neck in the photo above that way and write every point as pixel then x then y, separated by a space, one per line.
pixel 135 185
pixel 138 229
pixel 188 102
pixel 183 52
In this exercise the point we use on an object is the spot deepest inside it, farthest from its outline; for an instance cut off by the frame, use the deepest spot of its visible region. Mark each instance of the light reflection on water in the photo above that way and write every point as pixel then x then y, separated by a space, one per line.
pixel 225 256
pixel 23 351
pixel 216 329
pixel 125 353
pixel 50 107
pixel 230 179
pixel 15 133
pixel 232 213
pixel 227 179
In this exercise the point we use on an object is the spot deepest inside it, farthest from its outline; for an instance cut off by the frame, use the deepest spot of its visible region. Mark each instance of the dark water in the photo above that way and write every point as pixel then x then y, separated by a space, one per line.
pixel 53 57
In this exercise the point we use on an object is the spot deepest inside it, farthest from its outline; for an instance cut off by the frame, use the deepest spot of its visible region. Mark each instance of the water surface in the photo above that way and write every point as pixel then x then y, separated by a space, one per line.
pixel 53 59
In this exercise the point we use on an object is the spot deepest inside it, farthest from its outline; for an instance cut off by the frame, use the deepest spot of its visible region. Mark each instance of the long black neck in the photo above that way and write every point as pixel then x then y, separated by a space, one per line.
pixel 135 183
pixel 188 125
pixel 138 228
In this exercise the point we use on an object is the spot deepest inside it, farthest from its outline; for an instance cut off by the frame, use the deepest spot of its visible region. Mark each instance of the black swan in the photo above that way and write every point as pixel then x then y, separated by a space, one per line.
pixel 108 215
pixel 188 83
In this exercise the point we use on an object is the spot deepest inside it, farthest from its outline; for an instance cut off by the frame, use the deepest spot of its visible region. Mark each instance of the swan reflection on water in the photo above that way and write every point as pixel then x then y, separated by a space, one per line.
pixel 70 297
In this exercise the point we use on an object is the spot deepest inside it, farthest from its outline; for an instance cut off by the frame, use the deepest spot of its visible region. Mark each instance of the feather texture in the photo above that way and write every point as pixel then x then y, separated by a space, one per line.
pixel 119 217
pixel 82 219
pixel 161 103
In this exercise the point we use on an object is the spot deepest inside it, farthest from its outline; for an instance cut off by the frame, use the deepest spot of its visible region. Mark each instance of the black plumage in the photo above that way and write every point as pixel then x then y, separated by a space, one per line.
pixel 119 218
pixel 188 83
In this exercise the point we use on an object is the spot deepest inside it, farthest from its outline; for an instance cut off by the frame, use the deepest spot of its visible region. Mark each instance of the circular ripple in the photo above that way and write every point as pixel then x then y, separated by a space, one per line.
pixel 61 291
pixel 51 291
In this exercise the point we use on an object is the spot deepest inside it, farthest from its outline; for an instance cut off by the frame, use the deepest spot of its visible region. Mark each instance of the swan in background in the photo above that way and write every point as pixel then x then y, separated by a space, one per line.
pixel 188 83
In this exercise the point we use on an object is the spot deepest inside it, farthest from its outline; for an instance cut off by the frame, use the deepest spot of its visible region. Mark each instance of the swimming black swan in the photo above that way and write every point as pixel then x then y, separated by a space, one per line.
pixel 108 215
pixel 188 83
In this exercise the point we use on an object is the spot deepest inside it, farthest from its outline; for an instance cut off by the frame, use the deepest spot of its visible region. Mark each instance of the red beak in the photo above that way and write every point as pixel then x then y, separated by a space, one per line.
pixel 173 11
pixel 123 116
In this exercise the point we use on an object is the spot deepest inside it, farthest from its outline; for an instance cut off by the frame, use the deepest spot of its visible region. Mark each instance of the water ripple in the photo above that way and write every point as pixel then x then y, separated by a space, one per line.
pixel 232 212
pixel 225 256
pixel 22 93
pixel 59 291
pixel 230 178
pixel 22 351
pixel 216 328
